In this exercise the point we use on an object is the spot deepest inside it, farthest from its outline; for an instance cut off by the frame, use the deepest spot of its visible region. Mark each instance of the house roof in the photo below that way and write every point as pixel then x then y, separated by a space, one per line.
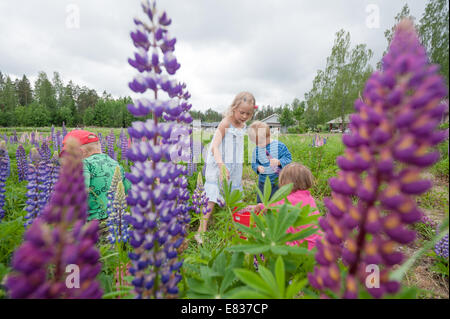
pixel 210 124
pixel 271 119
pixel 339 120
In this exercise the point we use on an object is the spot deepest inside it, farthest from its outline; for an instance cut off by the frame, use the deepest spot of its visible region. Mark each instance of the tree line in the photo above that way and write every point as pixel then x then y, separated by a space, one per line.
pixel 347 69
pixel 334 89
pixel 51 102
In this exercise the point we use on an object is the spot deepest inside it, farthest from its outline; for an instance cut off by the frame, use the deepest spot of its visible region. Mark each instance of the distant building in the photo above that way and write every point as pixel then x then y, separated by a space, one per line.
pixel 210 126
pixel 337 125
pixel 273 122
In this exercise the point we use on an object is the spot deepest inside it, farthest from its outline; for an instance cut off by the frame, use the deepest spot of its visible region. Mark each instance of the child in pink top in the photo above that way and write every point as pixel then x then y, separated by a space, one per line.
pixel 302 179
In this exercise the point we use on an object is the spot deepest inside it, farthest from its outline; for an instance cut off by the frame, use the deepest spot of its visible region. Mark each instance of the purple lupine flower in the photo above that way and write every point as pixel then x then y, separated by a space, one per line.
pixel 53 174
pixel 44 151
pixel 33 138
pixel 117 221
pixel 123 140
pixel 22 163
pixel 33 204
pixel 59 240
pixel 199 199
pixel 111 139
pixel 441 247
pixel 16 140
pixel 4 160
pixel 64 130
pixel 117 177
pixel 58 142
pixel 428 221
pixel 53 137
pixel 389 145
pixel 5 137
pixel 158 196
pixel 102 142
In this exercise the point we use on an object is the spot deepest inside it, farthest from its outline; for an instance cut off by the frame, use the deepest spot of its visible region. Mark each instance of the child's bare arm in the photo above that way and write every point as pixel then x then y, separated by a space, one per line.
pixel 217 139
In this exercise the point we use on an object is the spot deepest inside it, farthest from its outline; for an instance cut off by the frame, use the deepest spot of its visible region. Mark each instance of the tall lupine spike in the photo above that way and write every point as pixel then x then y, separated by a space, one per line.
pixel 123 146
pixel 102 142
pixel 44 151
pixel 4 160
pixel 64 130
pixel 158 196
pixel 58 142
pixel 53 137
pixel 60 242
pixel 117 177
pixel 54 168
pixel 33 194
pixel 16 140
pixel 111 141
pixel 391 140
pixel 22 163
pixel 199 199
pixel 7 161
pixel 441 247
pixel 117 220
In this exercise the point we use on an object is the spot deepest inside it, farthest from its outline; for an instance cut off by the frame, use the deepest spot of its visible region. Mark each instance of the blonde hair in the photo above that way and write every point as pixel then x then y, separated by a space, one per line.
pixel 243 97
pixel 297 174
pixel 254 129
pixel 92 147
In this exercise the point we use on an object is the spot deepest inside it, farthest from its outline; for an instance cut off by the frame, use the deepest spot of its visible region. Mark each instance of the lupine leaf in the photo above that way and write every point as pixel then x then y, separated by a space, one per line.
pixel 261 196
pixel 269 279
pixel 285 249
pixel 250 249
pixel 280 275
pixel 253 280
pixel 294 287
pixel 281 193
pixel 249 230
pixel 227 280
pixel 299 235
pixel 249 294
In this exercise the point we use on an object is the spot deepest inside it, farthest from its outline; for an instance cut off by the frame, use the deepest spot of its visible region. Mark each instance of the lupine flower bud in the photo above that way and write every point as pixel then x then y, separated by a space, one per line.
pixel 391 140
pixel 117 221
pixel 111 138
pixel 33 204
pixel 4 167
pixel 64 130
pixel 199 199
pixel 123 146
pixel 441 248
pixel 60 242
pixel 22 163
pixel 102 142
pixel 158 196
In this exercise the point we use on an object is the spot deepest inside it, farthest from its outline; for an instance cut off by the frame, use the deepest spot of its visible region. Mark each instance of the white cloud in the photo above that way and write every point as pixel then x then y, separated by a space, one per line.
pixel 272 48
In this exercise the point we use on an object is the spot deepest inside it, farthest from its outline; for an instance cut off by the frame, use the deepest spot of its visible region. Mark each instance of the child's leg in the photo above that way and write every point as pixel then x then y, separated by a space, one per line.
pixel 204 219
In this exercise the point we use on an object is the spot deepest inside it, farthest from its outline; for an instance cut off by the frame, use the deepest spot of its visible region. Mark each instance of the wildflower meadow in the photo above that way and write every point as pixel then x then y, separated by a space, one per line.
pixel 381 190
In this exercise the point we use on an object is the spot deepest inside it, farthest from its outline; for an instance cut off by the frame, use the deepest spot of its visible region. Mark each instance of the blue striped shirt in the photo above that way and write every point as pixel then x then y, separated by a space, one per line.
pixel 276 150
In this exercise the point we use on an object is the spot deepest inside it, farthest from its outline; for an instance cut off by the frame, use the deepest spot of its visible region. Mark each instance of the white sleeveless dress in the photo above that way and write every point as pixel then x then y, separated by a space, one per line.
pixel 232 150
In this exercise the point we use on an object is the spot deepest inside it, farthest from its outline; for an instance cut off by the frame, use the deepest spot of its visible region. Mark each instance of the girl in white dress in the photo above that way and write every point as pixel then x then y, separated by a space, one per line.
pixel 226 152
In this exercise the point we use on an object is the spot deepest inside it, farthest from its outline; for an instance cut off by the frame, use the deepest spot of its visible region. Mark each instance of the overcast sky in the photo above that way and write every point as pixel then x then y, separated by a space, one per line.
pixel 272 48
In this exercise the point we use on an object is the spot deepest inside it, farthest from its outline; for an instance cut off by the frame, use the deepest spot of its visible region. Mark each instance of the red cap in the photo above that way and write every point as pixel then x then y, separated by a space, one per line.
pixel 84 137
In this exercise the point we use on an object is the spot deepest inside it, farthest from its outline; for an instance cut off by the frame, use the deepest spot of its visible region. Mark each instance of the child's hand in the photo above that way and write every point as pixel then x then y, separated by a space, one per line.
pixel 260 169
pixel 223 172
pixel 274 162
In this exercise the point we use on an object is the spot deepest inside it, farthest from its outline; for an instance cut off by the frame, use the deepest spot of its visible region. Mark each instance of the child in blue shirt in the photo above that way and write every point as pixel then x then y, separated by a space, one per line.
pixel 269 156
